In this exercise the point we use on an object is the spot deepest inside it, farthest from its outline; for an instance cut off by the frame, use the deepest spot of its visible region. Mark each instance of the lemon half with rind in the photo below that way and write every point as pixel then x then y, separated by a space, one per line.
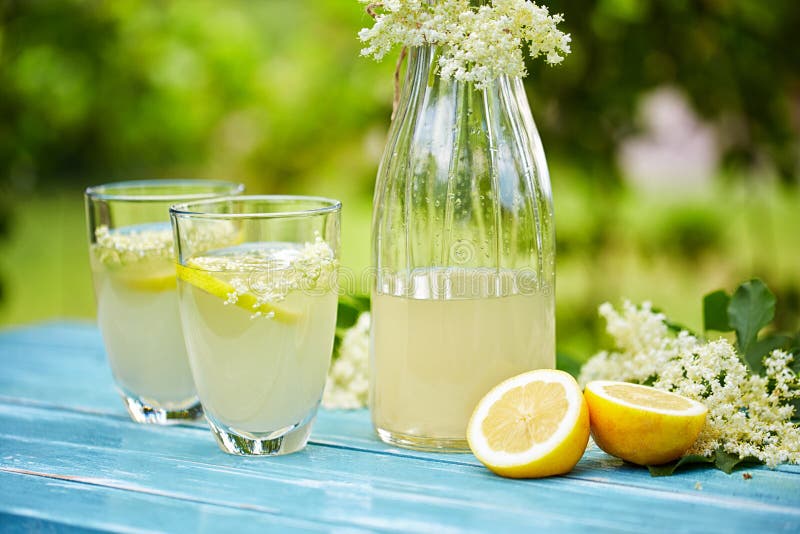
pixel 530 426
pixel 641 424
pixel 214 286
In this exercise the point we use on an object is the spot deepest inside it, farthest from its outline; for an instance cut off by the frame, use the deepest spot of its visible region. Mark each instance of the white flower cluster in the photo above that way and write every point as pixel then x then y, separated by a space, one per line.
pixel 122 246
pixel 269 275
pixel 749 415
pixel 477 44
pixel 113 247
pixel 347 386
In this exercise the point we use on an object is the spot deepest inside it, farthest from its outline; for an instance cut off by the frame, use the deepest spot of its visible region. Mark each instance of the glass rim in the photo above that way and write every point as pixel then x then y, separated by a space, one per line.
pixel 107 191
pixel 189 209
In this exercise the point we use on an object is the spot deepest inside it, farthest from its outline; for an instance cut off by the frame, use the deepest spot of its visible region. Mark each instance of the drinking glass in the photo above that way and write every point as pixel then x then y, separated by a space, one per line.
pixel 133 270
pixel 259 315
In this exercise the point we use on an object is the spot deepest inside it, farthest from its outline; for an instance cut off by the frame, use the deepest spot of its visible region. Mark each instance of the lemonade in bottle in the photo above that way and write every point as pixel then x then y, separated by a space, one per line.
pixel 439 356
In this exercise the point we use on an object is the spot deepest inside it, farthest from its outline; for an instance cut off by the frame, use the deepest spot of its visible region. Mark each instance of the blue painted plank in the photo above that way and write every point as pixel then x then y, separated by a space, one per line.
pixel 41 504
pixel 76 334
pixel 57 394
pixel 338 485
pixel 37 375
pixel 60 376
pixel 352 429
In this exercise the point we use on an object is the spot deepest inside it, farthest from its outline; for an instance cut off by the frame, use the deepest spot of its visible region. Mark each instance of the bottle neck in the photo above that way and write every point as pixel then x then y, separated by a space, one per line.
pixel 423 69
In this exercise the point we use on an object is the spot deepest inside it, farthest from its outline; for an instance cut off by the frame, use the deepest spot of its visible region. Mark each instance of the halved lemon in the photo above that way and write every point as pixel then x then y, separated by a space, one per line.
pixel 532 425
pixel 641 424
pixel 214 286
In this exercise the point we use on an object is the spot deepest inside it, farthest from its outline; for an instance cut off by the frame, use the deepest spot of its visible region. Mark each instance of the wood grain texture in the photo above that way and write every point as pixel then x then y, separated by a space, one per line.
pixel 71 459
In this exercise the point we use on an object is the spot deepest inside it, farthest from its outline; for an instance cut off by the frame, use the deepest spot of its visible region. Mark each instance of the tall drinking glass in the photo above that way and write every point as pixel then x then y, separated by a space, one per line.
pixel 133 269
pixel 259 315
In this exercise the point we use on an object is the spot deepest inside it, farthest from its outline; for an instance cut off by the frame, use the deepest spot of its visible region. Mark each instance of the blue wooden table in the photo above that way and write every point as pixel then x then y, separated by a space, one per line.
pixel 70 459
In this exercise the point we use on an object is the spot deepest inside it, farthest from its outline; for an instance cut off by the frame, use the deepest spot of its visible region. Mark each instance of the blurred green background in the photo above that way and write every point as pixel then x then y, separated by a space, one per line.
pixel 672 133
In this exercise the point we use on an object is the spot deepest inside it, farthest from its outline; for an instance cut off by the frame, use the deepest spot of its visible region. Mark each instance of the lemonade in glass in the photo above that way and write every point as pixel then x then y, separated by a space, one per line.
pixel 133 269
pixel 259 317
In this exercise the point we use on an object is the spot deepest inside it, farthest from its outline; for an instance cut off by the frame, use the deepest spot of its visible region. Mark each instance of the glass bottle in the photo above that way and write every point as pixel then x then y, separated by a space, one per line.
pixel 463 246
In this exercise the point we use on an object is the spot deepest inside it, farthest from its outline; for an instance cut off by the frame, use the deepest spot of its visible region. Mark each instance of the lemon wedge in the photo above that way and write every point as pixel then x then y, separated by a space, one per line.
pixel 532 425
pixel 214 286
pixel 641 424
pixel 148 277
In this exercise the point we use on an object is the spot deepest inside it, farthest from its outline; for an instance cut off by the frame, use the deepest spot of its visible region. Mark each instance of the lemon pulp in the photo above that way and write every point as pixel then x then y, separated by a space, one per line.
pixel 525 416
pixel 641 424
pixel 649 398
pixel 532 425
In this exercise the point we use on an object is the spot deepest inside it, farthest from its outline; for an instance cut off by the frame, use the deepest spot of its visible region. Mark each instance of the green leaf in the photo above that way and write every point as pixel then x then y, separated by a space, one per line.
pixel 349 308
pixel 673 326
pixel 568 363
pixel 765 345
pixel 795 365
pixel 677 328
pixel 715 311
pixel 794 348
pixel 751 308
pixel 346 315
pixel 725 461
pixel 668 469
pixel 796 414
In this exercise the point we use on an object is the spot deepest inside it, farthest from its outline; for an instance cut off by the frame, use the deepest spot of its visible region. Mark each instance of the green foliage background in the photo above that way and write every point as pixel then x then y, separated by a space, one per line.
pixel 273 93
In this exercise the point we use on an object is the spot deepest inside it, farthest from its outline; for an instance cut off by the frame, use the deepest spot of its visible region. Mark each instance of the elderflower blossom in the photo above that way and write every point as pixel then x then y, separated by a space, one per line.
pixel 749 415
pixel 115 247
pixel 477 44
pixel 347 386
pixel 268 276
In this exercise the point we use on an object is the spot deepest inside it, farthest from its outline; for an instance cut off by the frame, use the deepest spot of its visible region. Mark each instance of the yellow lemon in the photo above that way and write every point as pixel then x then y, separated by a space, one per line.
pixel 640 424
pixel 532 425
pixel 149 276
pixel 214 286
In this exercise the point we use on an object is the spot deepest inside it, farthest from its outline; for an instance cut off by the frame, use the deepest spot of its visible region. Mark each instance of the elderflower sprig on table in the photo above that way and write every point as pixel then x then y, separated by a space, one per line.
pixel 477 44
pixel 750 415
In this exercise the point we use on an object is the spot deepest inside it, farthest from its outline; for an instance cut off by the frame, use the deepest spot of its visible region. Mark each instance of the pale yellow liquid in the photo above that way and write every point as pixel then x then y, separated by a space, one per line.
pixel 138 317
pixel 434 359
pixel 258 374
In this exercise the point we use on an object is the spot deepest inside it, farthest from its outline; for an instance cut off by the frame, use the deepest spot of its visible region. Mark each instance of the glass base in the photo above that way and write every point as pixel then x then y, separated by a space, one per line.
pixel 144 412
pixel 282 441
pixel 422 443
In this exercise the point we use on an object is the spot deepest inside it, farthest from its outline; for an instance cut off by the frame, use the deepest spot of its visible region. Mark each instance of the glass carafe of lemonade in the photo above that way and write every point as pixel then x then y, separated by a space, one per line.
pixel 464 250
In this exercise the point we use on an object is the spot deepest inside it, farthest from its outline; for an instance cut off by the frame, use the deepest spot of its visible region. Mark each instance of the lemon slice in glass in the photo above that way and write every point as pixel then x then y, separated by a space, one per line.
pixel 641 424
pixel 532 425
pixel 152 276
pixel 214 286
